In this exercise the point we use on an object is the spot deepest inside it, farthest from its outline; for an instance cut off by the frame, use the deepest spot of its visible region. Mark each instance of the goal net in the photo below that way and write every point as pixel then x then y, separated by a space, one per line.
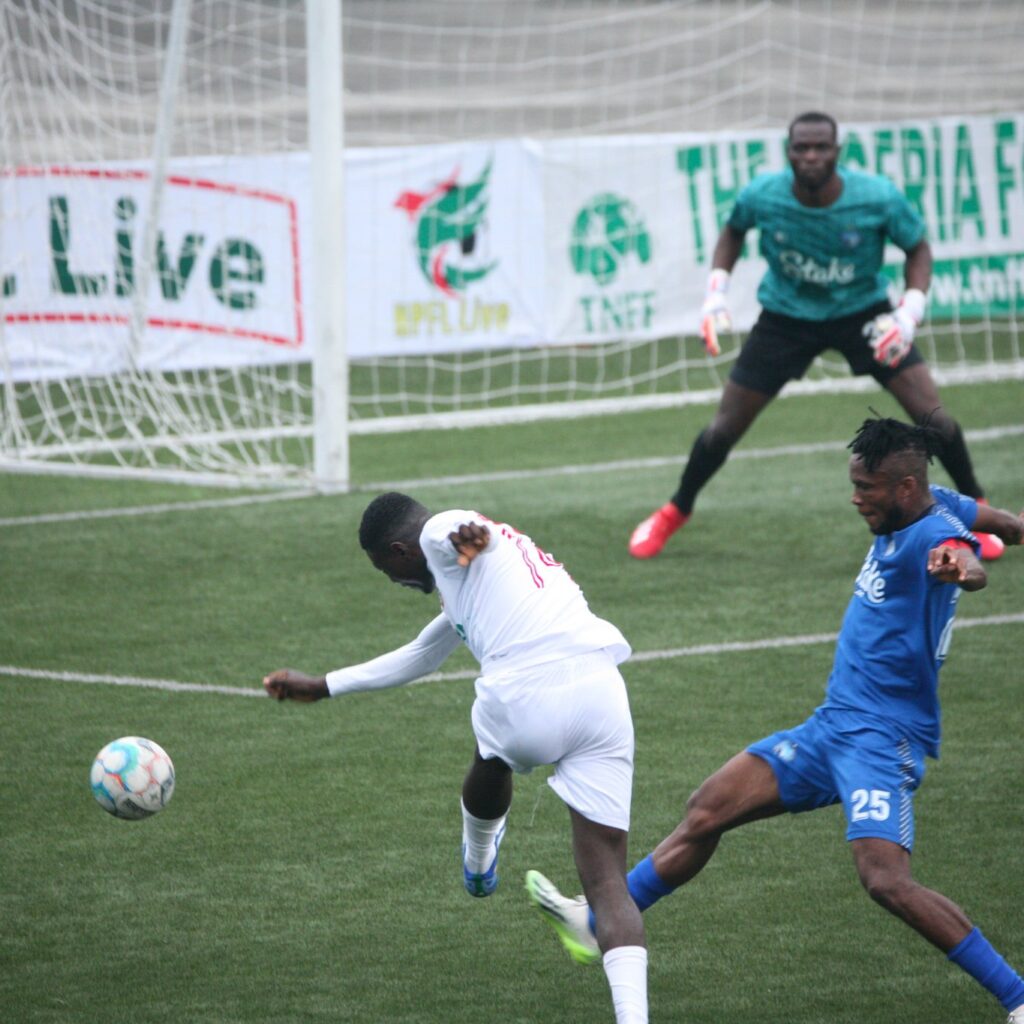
pixel 532 190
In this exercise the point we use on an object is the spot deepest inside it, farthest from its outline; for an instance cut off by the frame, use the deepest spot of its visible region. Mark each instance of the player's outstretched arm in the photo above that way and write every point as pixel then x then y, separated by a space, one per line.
pixel 714 314
pixel 957 563
pixel 1009 528
pixel 728 249
pixel 287 684
pixel 470 540
pixel 917 272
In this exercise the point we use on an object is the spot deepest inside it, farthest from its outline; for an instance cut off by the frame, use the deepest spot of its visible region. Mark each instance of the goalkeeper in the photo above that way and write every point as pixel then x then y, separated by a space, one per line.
pixel 823 231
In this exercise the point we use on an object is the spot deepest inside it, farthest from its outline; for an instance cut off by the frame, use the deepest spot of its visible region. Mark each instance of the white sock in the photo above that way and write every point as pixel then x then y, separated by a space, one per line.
pixel 626 968
pixel 478 835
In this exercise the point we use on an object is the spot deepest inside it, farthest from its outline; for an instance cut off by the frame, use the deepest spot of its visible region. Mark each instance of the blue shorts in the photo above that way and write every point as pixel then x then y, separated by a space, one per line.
pixel 838 757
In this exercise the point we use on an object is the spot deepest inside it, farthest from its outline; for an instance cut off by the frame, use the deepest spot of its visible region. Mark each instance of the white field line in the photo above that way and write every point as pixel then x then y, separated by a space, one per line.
pixel 657 462
pixel 149 510
pixel 729 647
pixel 617 466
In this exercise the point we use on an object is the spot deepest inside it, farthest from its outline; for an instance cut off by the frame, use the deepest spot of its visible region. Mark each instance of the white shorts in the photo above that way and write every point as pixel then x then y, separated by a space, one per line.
pixel 573 714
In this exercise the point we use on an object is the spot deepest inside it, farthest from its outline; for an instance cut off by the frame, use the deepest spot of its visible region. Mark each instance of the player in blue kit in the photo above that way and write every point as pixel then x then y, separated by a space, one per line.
pixel 865 745
pixel 823 231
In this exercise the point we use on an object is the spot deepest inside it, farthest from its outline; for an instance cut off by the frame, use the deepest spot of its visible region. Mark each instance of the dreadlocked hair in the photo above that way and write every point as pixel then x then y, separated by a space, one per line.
pixel 390 516
pixel 880 437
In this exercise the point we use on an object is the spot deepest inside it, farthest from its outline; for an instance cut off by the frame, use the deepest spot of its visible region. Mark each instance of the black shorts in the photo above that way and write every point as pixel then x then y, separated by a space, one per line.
pixel 781 348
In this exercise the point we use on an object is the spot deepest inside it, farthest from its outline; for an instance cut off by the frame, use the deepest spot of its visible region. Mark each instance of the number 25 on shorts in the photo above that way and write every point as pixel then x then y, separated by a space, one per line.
pixel 873 804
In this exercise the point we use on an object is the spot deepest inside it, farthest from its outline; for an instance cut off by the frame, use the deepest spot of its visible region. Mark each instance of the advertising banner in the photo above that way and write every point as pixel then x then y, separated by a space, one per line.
pixel 459 247
pixel 964 175
pixel 616 245
pixel 225 288
pixel 445 248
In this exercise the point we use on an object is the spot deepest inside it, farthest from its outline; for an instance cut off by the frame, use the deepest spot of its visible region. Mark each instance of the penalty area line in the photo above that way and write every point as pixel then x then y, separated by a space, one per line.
pixel 159 509
pixel 650 462
pixel 668 654
pixel 495 476
pixel 140 682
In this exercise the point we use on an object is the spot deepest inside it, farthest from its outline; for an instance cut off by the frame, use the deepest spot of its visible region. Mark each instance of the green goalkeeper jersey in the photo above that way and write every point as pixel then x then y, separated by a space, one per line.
pixel 825 262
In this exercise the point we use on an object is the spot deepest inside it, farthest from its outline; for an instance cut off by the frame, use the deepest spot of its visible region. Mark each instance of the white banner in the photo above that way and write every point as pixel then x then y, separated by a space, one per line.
pixel 445 248
pixel 225 288
pixel 616 242
pixel 458 247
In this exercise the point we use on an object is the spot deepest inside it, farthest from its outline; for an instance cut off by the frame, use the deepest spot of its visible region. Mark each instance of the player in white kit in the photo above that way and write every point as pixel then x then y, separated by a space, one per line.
pixel 549 693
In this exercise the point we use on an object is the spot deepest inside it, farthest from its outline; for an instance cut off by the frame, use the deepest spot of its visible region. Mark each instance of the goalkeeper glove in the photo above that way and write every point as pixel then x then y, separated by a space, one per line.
pixel 714 314
pixel 890 335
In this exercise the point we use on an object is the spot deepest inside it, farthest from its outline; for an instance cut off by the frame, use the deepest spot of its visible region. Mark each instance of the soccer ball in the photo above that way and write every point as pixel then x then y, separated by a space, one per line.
pixel 132 778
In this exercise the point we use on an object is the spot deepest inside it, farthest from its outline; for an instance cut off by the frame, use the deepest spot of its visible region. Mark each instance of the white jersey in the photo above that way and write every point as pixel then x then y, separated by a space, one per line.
pixel 514 606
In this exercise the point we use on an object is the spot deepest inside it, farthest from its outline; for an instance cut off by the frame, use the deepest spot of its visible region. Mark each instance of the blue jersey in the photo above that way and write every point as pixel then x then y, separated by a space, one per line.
pixel 825 262
pixel 897 627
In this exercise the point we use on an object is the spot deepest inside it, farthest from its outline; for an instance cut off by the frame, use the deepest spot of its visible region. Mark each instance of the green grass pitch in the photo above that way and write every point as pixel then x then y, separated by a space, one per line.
pixel 307 869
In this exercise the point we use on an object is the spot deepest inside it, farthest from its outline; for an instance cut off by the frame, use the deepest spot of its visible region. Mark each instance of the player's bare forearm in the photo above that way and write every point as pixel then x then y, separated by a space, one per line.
pixel 918 269
pixel 957 565
pixel 1009 528
pixel 287 684
pixel 727 249
pixel 470 540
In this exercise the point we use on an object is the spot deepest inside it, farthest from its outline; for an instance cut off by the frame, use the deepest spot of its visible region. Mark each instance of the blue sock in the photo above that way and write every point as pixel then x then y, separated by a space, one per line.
pixel 976 956
pixel 645 886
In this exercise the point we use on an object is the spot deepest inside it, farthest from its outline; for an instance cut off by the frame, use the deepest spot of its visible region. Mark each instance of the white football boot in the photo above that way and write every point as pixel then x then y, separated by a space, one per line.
pixel 569 918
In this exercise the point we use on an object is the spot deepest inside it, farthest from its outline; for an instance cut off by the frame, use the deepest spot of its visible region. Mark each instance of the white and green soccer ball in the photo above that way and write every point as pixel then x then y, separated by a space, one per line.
pixel 132 778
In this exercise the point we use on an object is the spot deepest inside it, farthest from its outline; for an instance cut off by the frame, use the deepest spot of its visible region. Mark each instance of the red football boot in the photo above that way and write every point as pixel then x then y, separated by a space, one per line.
pixel 992 546
pixel 653 533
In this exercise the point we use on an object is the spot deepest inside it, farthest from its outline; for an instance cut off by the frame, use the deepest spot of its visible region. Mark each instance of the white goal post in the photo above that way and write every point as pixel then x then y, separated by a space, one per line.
pixel 326 146
pixel 235 233
pixel 167 308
